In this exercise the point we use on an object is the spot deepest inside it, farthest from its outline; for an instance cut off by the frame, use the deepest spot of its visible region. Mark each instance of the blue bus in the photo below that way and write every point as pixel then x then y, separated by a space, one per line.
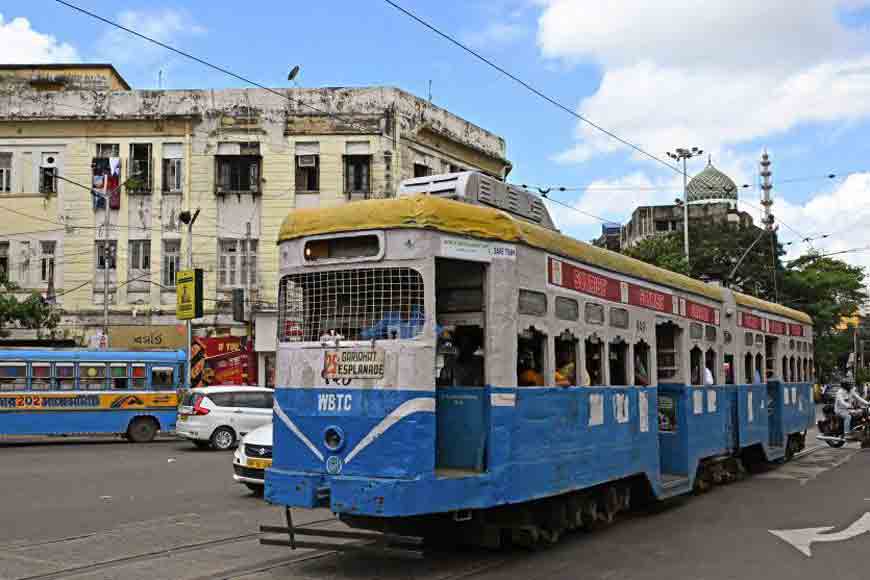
pixel 62 392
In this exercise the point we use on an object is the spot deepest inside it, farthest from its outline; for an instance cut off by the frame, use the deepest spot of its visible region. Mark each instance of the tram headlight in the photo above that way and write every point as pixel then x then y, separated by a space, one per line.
pixel 333 438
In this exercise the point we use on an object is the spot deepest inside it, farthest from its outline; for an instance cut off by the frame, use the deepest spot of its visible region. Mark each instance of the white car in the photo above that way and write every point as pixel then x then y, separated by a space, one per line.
pixel 253 457
pixel 219 416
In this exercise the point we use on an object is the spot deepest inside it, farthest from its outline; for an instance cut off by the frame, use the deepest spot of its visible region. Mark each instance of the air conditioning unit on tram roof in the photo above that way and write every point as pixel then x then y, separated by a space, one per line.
pixel 477 188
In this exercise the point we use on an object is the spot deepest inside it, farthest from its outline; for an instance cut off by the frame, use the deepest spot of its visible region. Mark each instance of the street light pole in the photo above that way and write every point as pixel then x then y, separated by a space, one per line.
pixel 186 218
pixel 681 154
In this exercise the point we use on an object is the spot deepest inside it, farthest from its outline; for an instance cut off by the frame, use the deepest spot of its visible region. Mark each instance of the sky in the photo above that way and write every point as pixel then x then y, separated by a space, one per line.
pixel 732 77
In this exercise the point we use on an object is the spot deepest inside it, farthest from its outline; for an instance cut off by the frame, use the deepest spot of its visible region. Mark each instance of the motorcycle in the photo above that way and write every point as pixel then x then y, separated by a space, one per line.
pixel 831 428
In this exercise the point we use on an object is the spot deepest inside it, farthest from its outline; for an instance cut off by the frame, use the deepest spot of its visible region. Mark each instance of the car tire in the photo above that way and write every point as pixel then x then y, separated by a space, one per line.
pixel 256 488
pixel 223 438
pixel 142 430
pixel 202 444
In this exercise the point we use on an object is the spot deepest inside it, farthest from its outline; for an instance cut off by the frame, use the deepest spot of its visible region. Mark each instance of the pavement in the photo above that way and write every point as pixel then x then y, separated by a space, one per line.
pixel 91 509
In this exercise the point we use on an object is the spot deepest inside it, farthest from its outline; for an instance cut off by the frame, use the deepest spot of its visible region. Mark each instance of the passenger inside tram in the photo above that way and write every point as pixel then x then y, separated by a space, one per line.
pixel 465 367
pixel 641 365
pixel 566 361
pixel 594 363
pixel 618 360
pixel 530 359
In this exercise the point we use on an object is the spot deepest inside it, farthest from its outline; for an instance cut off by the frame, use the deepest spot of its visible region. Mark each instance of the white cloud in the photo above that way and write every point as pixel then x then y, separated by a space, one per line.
pixel 166 25
pixel 709 73
pixel 496 34
pixel 20 44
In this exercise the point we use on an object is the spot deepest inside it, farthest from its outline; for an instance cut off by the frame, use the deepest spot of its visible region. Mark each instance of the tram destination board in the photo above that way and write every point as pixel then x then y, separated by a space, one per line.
pixel 353 364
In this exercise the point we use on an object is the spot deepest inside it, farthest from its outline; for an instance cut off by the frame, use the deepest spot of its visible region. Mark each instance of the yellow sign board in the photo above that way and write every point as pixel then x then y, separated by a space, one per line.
pixel 188 292
pixel 148 337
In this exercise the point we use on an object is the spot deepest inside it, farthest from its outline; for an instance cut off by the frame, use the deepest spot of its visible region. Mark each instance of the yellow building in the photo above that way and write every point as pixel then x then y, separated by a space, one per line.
pixel 244 157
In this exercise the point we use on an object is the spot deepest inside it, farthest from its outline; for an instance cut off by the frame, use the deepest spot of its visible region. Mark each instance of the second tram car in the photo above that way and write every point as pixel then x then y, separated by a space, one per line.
pixel 443 364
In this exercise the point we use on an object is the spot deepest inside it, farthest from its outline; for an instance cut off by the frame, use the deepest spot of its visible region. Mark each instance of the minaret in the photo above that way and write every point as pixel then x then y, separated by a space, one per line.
pixel 766 186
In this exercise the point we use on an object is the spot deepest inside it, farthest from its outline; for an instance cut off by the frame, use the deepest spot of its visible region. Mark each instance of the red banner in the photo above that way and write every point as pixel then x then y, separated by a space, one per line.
pixel 750 321
pixel 228 361
pixel 795 330
pixel 776 327
pixel 574 278
pixel 700 312
pixel 646 298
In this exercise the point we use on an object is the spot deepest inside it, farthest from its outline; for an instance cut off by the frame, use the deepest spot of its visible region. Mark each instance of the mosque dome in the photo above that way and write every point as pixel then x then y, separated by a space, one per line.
pixel 711 185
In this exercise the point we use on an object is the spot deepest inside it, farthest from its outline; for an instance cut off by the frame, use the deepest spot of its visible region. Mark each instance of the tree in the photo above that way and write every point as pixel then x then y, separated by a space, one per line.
pixel 664 251
pixel 32 312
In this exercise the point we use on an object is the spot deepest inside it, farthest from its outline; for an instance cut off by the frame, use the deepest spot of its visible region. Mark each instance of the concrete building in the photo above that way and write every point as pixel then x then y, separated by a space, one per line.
pixel 244 157
pixel 712 197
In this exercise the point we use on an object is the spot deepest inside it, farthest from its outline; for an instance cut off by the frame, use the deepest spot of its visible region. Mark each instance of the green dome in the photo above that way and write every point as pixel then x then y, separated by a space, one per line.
pixel 711 185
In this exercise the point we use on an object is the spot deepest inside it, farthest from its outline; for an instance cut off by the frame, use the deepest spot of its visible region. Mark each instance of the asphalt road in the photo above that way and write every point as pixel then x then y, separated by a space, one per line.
pixel 91 510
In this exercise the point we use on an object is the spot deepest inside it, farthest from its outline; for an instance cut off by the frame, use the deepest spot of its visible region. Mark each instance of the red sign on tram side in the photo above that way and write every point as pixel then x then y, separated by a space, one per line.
pixel 574 278
pixel 776 327
pixel 750 321
pixel 795 330
pixel 701 313
pixel 651 299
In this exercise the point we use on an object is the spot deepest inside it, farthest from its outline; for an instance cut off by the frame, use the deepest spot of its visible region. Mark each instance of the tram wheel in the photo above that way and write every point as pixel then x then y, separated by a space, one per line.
pixel 142 430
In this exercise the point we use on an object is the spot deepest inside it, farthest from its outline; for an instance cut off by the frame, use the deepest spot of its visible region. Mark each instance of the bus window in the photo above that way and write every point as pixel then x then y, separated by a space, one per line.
pixel 161 379
pixel 66 376
pixel 594 363
pixel 119 376
pixel 92 377
pixel 40 376
pixel 530 358
pixel 566 360
pixel 13 376
pixel 139 377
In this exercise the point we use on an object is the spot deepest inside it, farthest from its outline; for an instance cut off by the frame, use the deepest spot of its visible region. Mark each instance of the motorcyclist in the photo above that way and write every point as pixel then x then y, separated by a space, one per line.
pixel 846 403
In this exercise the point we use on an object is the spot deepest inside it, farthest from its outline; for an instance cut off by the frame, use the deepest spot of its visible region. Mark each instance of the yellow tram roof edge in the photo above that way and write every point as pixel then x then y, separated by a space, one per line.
pixel 460 218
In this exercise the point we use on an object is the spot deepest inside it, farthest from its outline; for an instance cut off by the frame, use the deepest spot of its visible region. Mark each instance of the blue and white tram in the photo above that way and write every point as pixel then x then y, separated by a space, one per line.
pixel 444 363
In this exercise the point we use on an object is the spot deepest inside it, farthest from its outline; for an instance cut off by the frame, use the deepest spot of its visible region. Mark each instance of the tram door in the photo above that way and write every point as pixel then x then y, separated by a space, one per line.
pixel 461 400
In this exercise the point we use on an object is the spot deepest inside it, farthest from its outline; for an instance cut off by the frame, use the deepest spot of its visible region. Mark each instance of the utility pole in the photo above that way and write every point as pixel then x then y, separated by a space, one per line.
pixel 249 310
pixel 186 218
pixel 681 154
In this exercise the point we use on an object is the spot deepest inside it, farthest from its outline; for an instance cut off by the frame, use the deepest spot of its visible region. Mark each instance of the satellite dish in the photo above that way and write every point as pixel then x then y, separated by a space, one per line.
pixel 293 72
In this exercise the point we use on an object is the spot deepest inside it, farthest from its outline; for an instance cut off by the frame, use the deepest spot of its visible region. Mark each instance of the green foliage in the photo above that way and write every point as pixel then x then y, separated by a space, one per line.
pixel 31 312
pixel 664 251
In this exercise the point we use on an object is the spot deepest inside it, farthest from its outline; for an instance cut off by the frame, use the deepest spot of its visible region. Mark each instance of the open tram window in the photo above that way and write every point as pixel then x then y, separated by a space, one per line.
pixel 66 376
pixel 531 354
pixel 459 310
pixel 92 377
pixel 728 369
pixel 759 369
pixel 13 376
pixel 618 361
pixel 747 369
pixel 595 360
pixel 40 373
pixel 139 377
pixel 806 373
pixel 696 372
pixel 641 364
pixel 566 359
pixel 785 375
pixel 667 355
pixel 120 380
pixel 162 379
pixel 770 357
pixel 344 247
pixel 461 352
pixel 791 370
pixel 710 374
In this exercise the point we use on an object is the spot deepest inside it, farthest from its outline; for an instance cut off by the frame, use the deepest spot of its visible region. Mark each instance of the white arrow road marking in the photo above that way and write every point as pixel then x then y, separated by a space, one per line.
pixel 802 539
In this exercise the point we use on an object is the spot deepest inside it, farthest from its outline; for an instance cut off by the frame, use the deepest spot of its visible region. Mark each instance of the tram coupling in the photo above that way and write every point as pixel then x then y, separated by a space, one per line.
pixel 342 540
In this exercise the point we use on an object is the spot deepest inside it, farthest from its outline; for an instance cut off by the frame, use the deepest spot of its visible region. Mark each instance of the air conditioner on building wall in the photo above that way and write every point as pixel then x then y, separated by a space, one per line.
pixel 307 160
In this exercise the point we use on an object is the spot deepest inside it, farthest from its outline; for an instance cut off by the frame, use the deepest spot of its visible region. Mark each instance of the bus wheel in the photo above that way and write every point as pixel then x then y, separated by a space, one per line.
pixel 142 430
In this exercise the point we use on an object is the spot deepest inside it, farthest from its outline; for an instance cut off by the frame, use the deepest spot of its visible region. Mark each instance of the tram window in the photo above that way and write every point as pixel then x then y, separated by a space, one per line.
pixel 594 313
pixel 641 364
pixel 139 377
pixel 13 376
pixel 531 352
pixel 463 365
pixel 594 360
pixel 40 376
pixel 120 380
pixel 667 356
pixel 747 369
pixel 92 377
pixel 726 336
pixel 785 375
pixel 567 309
pixel 696 372
pixel 791 370
pixel 710 367
pixel 532 303
pixel 619 317
pixel 791 344
pixel 770 360
pixel 759 339
pixel 161 379
pixel 618 363
pixel 696 331
pixel 748 339
pixel 566 360
pixel 342 248
pixel 728 369
pixel 710 333
pixel 66 376
pixel 759 368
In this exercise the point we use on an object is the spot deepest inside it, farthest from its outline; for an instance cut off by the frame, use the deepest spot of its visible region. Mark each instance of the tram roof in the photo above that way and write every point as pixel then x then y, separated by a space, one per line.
pixel 460 218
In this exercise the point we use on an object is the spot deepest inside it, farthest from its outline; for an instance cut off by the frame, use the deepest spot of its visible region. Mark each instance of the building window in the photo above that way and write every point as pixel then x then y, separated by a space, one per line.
pixel 421 170
pixel 107 150
pixel 4 261
pixel 173 175
pixel 308 173
pixel 5 172
pixel 233 263
pixel 238 174
pixel 47 260
pixel 357 172
pixel 139 168
pixel 139 265
pixel 47 181
pixel 24 264
pixel 107 253
pixel 171 261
